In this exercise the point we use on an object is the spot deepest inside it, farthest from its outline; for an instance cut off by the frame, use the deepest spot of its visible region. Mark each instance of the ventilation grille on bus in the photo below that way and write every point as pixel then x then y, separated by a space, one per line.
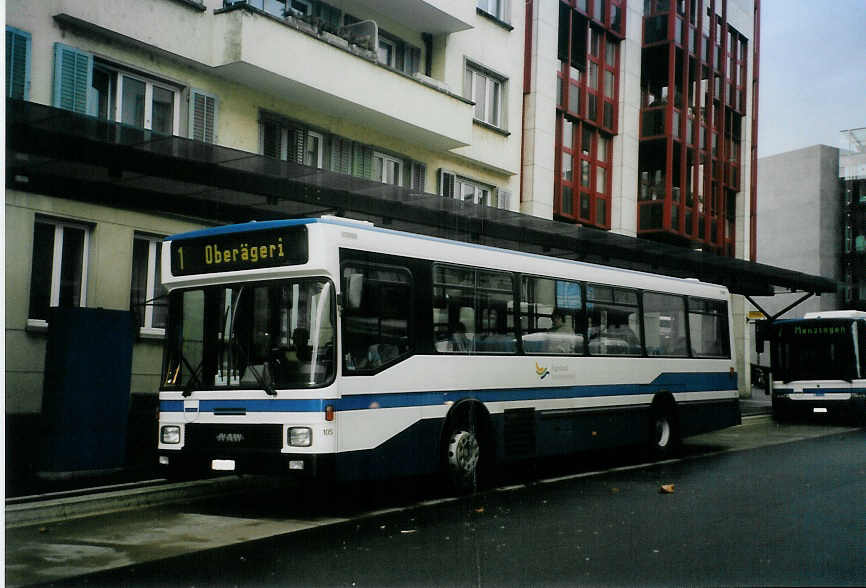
pixel 520 432
pixel 214 436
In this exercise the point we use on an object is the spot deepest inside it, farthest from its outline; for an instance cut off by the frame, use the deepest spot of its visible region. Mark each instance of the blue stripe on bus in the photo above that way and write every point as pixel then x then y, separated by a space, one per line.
pixel 672 382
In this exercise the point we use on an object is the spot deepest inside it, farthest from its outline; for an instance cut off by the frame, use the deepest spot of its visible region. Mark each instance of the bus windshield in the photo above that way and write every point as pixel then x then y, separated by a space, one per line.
pixel 264 335
pixel 814 350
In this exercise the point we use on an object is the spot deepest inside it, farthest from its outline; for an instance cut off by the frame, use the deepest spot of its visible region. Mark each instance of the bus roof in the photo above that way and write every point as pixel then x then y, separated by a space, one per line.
pixel 835 314
pixel 371 228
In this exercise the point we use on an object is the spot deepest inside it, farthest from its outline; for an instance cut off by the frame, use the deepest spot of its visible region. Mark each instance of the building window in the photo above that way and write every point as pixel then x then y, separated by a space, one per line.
pixel 134 100
pixel 453 186
pixel 298 7
pixel 386 51
pixel 396 53
pixel 485 88
pixel 313 150
pixel 89 86
pixel 499 9
pixel 59 268
pixel 147 296
pixel 583 180
pixel 17 64
pixel 387 169
pixel 286 140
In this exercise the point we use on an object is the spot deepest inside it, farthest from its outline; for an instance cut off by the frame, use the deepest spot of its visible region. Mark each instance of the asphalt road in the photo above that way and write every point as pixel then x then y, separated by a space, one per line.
pixel 792 513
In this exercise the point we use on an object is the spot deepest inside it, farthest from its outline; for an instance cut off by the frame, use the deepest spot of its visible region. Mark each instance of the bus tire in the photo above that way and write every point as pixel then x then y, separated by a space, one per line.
pixel 465 453
pixel 664 433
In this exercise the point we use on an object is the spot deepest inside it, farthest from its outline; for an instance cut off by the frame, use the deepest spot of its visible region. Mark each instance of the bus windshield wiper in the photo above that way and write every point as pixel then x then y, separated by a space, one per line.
pixel 193 378
pixel 262 379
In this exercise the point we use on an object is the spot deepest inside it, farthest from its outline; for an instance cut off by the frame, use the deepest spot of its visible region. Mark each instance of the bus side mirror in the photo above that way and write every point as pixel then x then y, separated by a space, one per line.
pixel 762 330
pixel 354 291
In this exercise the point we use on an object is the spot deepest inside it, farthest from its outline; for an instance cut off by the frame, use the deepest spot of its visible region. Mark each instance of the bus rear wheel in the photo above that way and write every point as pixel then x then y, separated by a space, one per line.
pixel 463 459
pixel 664 436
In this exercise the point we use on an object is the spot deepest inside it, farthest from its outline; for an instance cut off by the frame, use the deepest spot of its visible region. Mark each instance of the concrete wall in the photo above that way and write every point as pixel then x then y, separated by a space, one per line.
pixel 799 219
pixel 108 286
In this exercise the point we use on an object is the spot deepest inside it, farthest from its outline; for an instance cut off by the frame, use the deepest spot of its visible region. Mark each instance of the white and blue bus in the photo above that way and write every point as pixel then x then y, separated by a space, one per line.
pixel 333 348
pixel 818 364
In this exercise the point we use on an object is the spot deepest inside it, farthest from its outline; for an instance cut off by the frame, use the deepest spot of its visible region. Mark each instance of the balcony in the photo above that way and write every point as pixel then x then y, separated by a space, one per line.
pixel 297 61
pixel 431 16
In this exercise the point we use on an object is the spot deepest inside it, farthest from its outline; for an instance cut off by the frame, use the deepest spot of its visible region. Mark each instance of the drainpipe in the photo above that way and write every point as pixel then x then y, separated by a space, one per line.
pixel 527 84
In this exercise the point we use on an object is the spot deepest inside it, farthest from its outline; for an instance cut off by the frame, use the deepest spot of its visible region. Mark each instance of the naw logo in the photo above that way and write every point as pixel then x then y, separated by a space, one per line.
pixel 542 372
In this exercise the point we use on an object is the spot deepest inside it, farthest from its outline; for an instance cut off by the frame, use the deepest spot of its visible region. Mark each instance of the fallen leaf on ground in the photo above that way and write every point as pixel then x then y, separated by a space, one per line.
pixel 666 489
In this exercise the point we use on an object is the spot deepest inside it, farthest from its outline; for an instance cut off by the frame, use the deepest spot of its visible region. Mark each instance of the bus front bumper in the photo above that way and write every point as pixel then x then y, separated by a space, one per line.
pixel 301 465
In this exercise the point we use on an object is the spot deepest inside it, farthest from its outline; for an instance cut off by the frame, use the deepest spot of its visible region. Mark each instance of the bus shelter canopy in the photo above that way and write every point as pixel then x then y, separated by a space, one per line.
pixel 63 154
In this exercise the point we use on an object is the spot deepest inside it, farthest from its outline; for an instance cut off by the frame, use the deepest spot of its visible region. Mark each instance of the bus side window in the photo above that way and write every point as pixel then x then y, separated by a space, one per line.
pixel 377 317
pixel 708 328
pixel 472 311
pixel 552 316
pixel 664 318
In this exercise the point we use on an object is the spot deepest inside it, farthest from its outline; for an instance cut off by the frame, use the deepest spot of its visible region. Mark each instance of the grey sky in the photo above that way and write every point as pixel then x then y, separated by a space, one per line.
pixel 813 72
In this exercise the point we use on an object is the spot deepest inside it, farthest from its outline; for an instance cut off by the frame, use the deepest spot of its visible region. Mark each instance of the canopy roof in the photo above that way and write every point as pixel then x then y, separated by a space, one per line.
pixel 60 153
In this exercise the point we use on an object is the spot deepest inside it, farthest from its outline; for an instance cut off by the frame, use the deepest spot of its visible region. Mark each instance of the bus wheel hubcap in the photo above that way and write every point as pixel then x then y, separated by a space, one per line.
pixel 663 432
pixel 463 452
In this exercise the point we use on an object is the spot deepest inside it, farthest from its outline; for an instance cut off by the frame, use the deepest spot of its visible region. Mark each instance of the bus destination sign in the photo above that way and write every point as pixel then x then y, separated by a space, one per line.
pixel 239 251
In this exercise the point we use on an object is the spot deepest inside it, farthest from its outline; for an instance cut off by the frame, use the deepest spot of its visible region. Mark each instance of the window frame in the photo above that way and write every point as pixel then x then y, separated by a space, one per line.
pixel 411 319
pixel 320 151
pixel 578 327
pixel 120 74
pixel 493 98
pixel 452 180
pixel 391 48
pixel 477 328
pixel 387 159
pixel 154 251
pixel 501 9
pixel 57 266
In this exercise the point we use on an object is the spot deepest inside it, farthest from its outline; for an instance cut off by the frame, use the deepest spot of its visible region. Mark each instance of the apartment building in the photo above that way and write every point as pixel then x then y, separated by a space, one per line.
pixel 423 94
pixel 634 118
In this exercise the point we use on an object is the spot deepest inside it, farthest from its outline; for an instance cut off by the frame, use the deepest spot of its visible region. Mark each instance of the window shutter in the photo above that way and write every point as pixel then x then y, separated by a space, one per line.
pixel 202 116
pixel 270 139
pixel 447 180
pixel 297 144
pixel 17 64
pixel 73 75
pixel 341 156
pixel 419 176
pixel 362 161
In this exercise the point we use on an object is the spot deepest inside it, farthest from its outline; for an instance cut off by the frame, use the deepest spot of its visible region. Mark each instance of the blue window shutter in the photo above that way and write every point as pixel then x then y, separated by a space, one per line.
pixel 17 64
pixel 203 116
pixel 73 77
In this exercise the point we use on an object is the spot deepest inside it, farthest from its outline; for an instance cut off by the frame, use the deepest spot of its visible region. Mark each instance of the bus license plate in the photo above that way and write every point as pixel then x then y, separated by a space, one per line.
pixel 819 409
pixel 223 465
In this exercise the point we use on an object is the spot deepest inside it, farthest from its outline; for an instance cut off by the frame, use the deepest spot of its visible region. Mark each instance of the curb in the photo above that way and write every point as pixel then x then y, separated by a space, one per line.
pixel 61 509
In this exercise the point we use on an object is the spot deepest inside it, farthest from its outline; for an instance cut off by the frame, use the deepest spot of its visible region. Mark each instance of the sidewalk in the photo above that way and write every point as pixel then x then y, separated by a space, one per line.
pixel 758 404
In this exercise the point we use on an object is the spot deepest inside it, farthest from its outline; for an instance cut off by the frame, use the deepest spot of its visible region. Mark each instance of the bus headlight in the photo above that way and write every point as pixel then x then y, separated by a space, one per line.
pixel 299 436
pixel 170 434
